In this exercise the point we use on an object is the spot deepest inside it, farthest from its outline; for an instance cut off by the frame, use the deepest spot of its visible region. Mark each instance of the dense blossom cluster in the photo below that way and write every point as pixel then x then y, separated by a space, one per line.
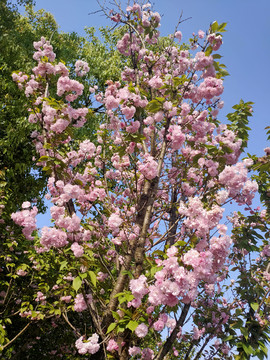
pixel 160 137
pixel 90 346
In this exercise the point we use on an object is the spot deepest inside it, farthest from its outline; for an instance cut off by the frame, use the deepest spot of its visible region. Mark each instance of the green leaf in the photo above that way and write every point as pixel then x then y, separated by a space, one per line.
pixel 63 265
pixel 116 315
pixel 129 297
pixel 208 51
pixel 76 284
pixel 216 56
pixel 132 325
pixel 244 331
pixel 155 269
pixel 214 26
pixel 248 349
pixel 111 327
pixel 43 158
pixel 122 299
pixel 221 27
pixel 180 243
pixel 153 106
pixel 158 252
pixel 254 306
pixel 93 277
pixel 83 276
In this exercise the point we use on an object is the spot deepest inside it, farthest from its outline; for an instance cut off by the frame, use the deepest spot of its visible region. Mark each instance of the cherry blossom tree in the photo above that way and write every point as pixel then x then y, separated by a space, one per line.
pixel 141 247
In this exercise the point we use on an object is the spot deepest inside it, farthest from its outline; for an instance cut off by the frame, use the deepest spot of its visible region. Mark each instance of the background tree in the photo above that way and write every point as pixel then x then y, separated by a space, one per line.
pixel 20 178
pixel 23 179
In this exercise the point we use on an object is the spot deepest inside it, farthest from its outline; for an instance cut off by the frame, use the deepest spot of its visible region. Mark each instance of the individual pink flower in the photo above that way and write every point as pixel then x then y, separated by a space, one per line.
pixel 135 350
pixel 77 249
pixel 215 41
pixel 112 345
pixel 138 287
pixel 114 221
pixel 111 102
pixel 197 333
pixel 21 272
pixel 128 111
pixel 176 137
pixel 147 354
pixel 178 35
pixel 66 298
pixel 79 302
pixel 155 82
pixel 201 34
pixel 51 237
pixel 159 325
pixel 149 168
pixel 134 127
pixel 81 68
pixel 26 205
pixel 141 330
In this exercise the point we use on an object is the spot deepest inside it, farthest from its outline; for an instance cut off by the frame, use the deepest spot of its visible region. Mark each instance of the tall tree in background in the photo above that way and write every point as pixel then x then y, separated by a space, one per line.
pixel 138 261
pixel 20 178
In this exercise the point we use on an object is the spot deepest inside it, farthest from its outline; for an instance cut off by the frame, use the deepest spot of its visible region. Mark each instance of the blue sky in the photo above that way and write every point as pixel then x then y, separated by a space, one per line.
pixel 246 48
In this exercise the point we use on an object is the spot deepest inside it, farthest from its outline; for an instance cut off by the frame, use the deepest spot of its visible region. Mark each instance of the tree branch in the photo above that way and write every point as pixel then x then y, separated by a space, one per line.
pixel 11 341
pixel 169 342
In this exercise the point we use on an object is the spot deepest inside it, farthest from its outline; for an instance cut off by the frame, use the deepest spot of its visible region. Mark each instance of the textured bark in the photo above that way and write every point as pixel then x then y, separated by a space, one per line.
pixel 169 342
pixel 119 287
pixel 173 218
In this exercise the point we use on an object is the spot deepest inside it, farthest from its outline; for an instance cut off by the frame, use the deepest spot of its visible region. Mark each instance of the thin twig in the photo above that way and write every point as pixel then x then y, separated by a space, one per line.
pixel 69 323
pixel 11 341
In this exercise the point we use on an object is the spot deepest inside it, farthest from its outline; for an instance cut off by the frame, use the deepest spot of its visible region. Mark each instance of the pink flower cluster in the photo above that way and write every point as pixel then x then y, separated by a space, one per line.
pixel 198 218
pixel 235 179
pixel 176 137
pixel 72 87
pixel 40 297
pixel 202 61
pixel 149 168
pixel 27 219
pixel 52 237
pixel 210 87
pixel 112 345
pixel 47 50
pixel 138 288
pixel 155 82
pixel 20 78
pixel 129 44
pixel 81 68
pixel 141 330
pixel 164 320
pixel 89 346
pixel 31 86
pixel 229 138
pixel 114 221
pixel 146 354
pixel 80 304
pixel 175 281
pixel 215 41
pixel 77 249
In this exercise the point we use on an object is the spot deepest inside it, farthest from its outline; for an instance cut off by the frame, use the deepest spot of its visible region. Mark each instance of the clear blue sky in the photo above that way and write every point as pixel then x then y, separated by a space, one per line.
pixel 246 47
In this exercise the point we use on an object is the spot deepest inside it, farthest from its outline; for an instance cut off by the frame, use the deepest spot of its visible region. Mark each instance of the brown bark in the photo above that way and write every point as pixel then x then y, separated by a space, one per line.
pixel 173 217
pixel 169 342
